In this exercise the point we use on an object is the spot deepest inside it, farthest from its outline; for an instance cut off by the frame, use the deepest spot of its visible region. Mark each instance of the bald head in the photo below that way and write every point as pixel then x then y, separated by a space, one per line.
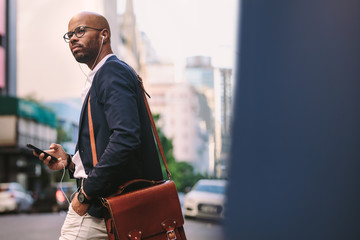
pixel 91 19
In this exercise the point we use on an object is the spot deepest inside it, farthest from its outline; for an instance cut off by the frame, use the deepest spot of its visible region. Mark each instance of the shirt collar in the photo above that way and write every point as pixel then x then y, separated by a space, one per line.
pixel 98 66
pixel 90 76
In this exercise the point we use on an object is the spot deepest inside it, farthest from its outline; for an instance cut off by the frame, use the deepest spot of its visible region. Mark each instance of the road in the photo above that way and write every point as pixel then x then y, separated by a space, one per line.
pixel 46 226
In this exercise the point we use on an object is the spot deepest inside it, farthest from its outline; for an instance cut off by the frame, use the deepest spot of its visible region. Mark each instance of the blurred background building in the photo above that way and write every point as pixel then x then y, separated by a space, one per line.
pixel 68 113
pixel 194 104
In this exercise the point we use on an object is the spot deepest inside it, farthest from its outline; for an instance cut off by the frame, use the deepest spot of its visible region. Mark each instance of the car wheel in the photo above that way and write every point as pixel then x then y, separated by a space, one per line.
pixel 17 209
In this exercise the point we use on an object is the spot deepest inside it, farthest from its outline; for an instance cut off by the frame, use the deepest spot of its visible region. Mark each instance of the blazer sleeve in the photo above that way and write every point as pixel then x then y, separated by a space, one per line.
pixel 117 92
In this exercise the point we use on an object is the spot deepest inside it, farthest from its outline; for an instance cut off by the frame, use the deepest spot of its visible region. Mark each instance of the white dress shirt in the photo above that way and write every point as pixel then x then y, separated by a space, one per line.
pixel 79 167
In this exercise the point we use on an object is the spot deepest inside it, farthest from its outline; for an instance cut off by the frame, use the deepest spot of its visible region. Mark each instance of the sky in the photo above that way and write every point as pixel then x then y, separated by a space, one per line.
pixel 46 69
pixel 181 28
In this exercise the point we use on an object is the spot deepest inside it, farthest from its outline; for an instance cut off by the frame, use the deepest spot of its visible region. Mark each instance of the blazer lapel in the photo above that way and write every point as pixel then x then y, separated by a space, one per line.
pixel 83 109
pixel 81 125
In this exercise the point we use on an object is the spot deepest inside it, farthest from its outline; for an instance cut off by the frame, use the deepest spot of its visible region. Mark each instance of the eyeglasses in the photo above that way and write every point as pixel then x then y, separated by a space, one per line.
pixel 79 32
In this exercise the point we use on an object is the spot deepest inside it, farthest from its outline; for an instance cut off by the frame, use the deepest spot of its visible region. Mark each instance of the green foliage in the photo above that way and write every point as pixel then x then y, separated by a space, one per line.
pixel 182 172
pixel 62 135
pixel 183 175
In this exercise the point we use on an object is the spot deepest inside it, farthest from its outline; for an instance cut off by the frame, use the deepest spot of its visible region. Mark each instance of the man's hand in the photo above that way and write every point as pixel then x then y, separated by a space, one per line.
pixel 79 208
pixel 57 151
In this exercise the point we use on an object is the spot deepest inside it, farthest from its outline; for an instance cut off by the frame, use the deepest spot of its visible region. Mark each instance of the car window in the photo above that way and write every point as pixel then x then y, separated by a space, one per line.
pixel 210 188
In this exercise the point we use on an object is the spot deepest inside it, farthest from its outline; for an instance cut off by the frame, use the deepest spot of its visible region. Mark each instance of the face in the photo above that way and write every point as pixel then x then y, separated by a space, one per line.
pixel 85 48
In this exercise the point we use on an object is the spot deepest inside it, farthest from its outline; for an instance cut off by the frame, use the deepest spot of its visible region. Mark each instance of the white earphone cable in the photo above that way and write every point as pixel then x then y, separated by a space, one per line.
pixel 87 74
pixel 61 181
pixel 102 43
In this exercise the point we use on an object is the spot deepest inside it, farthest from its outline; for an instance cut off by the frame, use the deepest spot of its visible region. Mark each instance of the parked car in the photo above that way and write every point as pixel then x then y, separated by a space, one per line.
pixel 52 199
pixel 14 198
pixel 206 199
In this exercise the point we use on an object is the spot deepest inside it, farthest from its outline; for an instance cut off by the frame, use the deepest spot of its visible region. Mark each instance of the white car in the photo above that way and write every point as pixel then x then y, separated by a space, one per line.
pixel 206 199
pixel 14 198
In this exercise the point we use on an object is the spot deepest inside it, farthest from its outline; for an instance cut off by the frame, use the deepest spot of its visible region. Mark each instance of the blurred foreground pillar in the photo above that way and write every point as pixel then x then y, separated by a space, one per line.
pixel 295 158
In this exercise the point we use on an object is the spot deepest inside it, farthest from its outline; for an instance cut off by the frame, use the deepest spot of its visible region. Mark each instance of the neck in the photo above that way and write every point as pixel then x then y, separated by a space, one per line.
pixel 98 58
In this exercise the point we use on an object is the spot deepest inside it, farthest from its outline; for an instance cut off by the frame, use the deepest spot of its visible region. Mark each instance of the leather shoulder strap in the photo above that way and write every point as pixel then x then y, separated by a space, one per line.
pixel 92 137
pixel 154 128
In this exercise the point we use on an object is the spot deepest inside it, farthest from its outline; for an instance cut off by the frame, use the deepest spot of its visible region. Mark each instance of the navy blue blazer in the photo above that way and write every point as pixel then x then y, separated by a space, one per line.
pixel 123 135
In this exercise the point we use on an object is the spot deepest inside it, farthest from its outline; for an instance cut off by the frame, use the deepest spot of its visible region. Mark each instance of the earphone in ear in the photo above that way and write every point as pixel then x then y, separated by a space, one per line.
pixel 103 37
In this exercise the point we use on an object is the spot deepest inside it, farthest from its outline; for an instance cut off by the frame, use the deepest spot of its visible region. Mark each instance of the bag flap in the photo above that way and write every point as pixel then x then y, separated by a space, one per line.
pixel 146 210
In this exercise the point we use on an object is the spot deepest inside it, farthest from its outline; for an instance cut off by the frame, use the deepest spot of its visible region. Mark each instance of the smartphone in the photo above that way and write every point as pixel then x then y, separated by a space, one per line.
pixel 38 151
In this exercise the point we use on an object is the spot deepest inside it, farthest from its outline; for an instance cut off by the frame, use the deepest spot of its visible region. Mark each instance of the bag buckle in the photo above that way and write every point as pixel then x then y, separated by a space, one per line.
pixel 169 226
pixel 171 235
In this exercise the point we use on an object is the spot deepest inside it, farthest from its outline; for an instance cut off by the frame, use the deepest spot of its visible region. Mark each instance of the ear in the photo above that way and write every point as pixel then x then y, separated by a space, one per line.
pixel 105 35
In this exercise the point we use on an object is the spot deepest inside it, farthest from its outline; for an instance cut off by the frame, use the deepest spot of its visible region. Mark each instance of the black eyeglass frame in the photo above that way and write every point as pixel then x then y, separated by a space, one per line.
pixel 67 36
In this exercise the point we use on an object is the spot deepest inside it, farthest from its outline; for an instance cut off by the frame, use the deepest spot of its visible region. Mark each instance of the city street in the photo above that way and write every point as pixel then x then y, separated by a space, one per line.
pixel 46 226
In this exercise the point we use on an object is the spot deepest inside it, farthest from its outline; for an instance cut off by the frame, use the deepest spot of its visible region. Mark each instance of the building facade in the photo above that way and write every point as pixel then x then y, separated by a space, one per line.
pixel 8 38
pixel 23 122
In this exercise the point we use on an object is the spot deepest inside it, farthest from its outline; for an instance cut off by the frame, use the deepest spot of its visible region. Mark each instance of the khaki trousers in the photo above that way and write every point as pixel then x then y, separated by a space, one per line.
pixel 85 227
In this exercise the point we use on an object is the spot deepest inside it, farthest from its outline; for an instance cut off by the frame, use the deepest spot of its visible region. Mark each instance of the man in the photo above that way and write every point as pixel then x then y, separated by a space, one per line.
pixel 123 136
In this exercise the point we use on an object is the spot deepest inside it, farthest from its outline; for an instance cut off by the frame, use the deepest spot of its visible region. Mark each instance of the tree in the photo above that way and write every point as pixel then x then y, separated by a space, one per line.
pixel 62 135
